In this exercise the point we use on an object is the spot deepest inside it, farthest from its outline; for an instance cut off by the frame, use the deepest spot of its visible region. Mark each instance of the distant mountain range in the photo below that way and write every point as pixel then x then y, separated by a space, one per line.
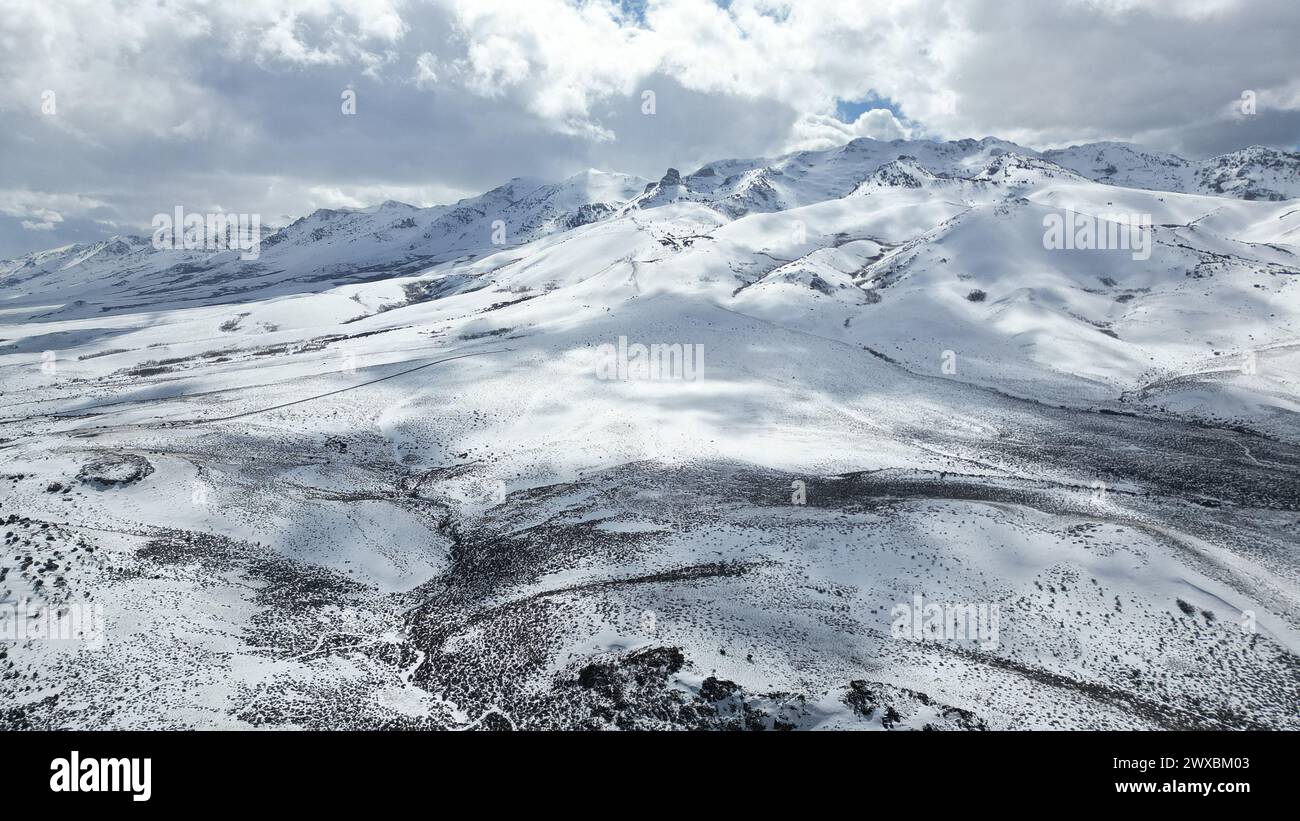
pixel 342 245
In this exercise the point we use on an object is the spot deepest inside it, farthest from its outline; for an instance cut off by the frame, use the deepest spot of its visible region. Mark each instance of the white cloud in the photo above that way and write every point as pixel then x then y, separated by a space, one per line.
pixel 137 66
pixel 42 211
pixel 555 58
pixel 1025 69
pixel 815 132
pixel 426 71
pixel 561 60
pixel 362 196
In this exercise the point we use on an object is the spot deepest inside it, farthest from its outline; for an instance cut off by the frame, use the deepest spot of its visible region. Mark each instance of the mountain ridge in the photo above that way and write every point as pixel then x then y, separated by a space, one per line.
pixel 1253 172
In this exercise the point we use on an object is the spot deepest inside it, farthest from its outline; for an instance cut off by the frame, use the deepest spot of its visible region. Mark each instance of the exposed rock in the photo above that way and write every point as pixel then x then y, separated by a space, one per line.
pixel 115 470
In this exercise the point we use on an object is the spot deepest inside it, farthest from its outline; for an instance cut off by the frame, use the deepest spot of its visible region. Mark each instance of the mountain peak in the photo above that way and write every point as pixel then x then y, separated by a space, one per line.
pixel 903 172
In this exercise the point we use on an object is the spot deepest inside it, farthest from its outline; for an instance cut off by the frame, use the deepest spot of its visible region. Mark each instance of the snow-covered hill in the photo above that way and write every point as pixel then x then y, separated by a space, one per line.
pixel 406 468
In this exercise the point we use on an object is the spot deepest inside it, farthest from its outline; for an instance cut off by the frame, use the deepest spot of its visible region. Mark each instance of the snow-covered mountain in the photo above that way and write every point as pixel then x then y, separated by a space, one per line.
pixel 1254 173
pixel 331 247
pixel 325 248
pixel 422 467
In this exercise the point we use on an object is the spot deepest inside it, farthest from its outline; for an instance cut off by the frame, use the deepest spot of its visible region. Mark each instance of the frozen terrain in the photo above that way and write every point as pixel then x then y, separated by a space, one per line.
pixel 375 478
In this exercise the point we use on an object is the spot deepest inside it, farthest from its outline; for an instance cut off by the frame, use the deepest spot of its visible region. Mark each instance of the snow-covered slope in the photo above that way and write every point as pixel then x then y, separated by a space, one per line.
pixel 392 473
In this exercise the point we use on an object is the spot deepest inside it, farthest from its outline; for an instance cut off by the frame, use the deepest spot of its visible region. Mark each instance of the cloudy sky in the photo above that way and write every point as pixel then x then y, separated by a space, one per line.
pixel 114 110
